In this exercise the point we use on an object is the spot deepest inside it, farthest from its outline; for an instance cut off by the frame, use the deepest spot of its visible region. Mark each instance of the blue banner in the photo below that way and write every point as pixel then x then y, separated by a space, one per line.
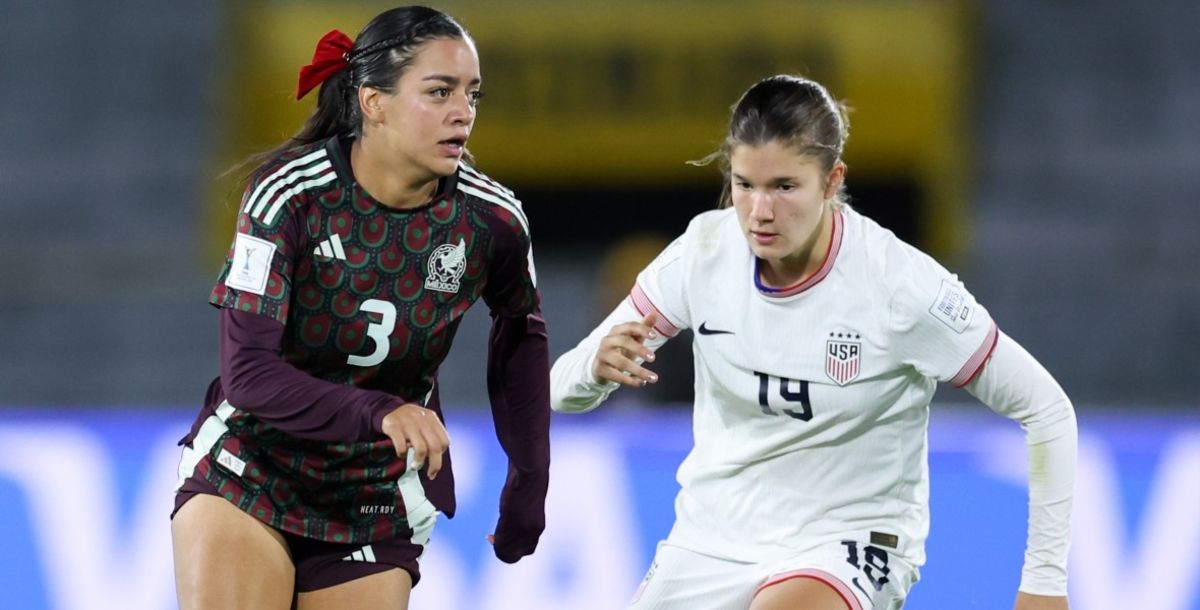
pixel 85 498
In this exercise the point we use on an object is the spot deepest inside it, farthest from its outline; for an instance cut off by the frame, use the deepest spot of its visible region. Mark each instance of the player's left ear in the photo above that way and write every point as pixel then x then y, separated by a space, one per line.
pixel 834 182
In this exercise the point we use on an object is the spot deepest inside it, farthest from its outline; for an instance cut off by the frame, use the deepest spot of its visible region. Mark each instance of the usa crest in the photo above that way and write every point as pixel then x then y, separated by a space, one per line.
pixel 446 265
pixel 843 357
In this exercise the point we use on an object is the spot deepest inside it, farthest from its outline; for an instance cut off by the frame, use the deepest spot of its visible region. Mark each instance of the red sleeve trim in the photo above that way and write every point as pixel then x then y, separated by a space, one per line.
pixel 644 305
pixel 834 582
pixel 975 363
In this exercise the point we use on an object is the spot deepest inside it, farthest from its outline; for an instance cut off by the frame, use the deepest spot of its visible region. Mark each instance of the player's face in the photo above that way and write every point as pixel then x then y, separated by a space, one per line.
pixel 783 203
pixel 428 119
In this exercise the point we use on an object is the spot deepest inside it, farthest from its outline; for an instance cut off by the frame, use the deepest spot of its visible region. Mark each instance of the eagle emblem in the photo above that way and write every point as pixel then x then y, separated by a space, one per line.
pixel 446 265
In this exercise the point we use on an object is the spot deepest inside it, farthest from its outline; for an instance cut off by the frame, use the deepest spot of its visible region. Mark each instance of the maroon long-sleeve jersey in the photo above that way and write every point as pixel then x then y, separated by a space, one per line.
pixel 337 310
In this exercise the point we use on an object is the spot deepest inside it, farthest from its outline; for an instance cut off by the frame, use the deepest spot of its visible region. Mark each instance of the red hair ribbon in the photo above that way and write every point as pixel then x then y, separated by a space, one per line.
pixel 329 59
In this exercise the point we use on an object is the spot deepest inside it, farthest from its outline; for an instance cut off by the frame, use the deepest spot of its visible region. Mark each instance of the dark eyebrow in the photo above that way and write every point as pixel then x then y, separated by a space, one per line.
pixel 453 81
pixel 776 180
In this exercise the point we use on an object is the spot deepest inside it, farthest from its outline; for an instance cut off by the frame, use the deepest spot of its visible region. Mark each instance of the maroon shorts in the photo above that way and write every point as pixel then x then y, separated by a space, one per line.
pixel 321 564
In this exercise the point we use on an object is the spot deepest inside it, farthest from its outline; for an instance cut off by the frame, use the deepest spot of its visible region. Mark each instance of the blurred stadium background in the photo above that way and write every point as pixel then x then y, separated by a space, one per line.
pixel 1047 151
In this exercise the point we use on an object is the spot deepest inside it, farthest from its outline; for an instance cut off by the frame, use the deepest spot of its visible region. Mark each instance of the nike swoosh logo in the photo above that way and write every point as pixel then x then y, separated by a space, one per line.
pixel 705 330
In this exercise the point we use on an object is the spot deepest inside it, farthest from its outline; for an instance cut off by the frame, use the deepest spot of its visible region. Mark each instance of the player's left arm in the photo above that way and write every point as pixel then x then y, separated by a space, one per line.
pixel 1017 386
pixel 518 379
pixel 940 330
pixel 519 392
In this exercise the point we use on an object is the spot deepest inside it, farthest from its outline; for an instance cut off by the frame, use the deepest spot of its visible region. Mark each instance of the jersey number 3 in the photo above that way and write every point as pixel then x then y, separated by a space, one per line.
pixel 799 395
pixel 377 332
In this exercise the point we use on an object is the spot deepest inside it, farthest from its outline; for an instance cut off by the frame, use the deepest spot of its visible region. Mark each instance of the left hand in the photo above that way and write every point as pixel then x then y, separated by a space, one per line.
pixel 1029 601
pixel 522 516
pixel 517 538
pixel 518 548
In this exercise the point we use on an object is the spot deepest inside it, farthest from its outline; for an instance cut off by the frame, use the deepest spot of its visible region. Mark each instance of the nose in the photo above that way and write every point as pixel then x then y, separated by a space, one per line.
pixel 462 111
pixel 761 209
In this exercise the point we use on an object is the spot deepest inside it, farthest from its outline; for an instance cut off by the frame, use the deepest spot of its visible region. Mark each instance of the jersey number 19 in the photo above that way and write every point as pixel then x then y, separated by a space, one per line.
pixel 786 392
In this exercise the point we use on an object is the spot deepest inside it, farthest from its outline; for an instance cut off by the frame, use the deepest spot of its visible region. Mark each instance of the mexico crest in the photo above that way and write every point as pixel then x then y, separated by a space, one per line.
pixel 842 357
pixel 446 265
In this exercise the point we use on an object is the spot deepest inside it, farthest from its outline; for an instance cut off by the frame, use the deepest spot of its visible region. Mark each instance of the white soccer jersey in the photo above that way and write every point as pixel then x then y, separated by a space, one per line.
pixel 811 403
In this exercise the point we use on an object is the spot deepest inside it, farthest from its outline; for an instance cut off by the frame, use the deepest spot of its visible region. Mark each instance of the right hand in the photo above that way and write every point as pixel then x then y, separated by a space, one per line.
pixel 615 361
pixel 413 426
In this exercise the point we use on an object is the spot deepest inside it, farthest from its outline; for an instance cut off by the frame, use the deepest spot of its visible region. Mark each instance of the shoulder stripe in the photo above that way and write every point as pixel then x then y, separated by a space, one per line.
pixel 513 206
pixel 266 197
pixel 471 184
pixel 478 175
pixel 490 186
pixel 282 172
pixel 325 178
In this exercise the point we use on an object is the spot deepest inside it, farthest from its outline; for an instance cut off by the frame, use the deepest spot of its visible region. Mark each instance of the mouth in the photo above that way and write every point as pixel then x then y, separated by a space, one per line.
pixel 453 147
pixel 763 237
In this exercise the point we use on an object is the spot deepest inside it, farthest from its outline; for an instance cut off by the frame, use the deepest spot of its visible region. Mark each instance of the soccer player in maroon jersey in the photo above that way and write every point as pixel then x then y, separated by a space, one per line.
pixel 318 465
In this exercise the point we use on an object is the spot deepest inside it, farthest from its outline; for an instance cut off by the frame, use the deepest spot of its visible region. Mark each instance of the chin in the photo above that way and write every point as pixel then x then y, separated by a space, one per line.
pixel 445 167
pixel 761 250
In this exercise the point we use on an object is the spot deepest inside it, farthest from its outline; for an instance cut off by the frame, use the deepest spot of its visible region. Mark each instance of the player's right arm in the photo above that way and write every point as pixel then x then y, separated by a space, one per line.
pixel 254 294
pixel 257 380
pixel 613 354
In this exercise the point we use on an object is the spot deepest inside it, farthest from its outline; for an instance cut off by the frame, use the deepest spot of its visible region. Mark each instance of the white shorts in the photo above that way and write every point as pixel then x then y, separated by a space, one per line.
pixel 868 577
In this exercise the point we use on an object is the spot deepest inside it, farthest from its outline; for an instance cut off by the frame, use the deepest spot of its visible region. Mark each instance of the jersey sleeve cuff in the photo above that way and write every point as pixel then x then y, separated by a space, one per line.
pixel 642 303
pixel 379 409
pixel 975 363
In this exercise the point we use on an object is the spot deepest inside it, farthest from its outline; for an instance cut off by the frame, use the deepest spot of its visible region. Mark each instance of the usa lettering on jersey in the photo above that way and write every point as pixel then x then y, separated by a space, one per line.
pixel 843 352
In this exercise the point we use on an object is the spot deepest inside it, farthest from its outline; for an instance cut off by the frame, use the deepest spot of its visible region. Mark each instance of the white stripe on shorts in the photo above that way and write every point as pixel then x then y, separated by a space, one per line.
pixel 210 431
pixel 422 515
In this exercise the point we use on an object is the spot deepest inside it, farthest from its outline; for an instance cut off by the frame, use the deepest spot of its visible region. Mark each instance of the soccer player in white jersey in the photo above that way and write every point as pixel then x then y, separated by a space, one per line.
pixel 820 338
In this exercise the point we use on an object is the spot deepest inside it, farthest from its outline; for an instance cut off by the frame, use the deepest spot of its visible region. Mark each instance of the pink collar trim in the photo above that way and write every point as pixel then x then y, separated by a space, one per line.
pixel 835 245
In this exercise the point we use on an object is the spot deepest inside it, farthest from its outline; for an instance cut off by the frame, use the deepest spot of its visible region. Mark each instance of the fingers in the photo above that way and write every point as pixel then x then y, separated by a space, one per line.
pixel 640 331
pixel 414 427
pixel 650 319
pixel 436 449
pixel 622 351
pixel 626 372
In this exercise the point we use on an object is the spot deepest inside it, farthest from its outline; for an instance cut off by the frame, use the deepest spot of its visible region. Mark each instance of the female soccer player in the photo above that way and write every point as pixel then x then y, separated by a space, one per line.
pixel 318 464
pixel 819 341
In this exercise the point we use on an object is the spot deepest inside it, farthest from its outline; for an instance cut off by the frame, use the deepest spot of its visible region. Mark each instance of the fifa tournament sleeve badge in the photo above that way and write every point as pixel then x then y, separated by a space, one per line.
pixel 446 265
pixel 251 264
pixel 953 307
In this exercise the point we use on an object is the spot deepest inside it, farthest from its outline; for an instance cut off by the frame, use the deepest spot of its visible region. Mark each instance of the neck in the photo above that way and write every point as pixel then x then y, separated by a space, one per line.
pixel 399 187
pixel 806 261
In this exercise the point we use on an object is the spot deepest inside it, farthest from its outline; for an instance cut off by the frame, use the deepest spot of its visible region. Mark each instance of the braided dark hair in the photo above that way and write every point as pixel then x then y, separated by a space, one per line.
pixel 384 49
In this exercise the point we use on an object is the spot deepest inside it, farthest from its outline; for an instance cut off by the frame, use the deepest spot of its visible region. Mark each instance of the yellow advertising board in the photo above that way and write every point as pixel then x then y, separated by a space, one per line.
pixel 624 92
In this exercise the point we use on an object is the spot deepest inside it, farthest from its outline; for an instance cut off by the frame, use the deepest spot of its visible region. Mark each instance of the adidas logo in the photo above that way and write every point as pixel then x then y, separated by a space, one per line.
pixel 330 248
pixel 366 554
